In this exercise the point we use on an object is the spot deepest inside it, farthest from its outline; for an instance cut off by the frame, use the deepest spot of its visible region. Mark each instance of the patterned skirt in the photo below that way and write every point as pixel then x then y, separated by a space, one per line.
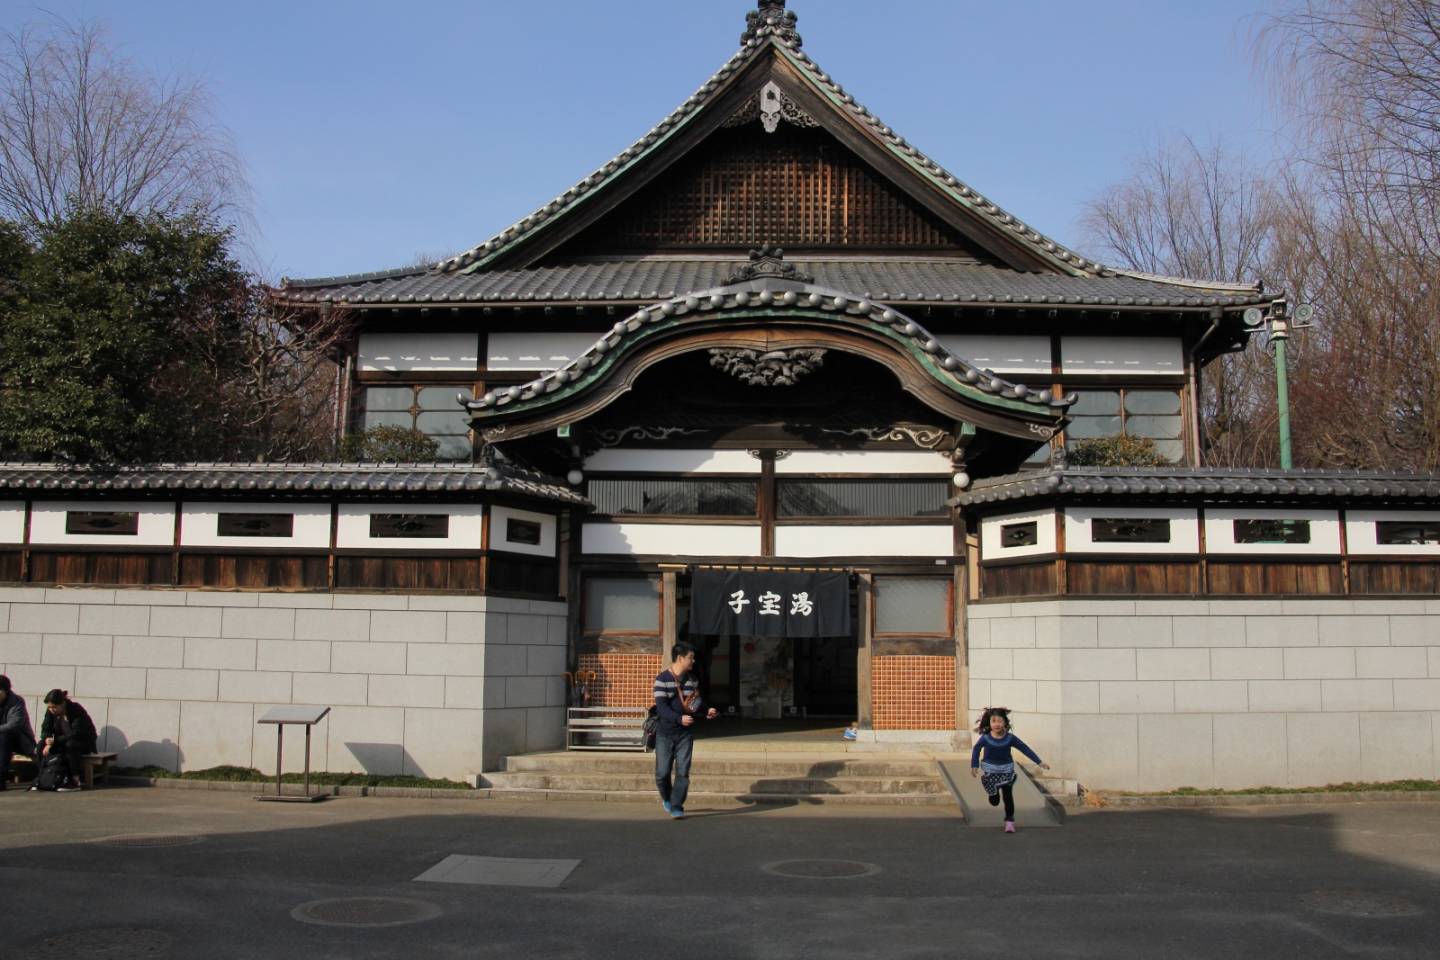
pixel 993 776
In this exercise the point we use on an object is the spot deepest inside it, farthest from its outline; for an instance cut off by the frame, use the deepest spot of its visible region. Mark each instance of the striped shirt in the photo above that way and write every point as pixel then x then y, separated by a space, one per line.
pixel 667 700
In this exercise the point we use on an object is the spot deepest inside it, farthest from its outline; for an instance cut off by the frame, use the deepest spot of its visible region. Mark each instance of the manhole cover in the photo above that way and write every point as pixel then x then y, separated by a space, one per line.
pixel 115 944
pixel 365 912
pixel 821 869
pixel 1360 903
pixel 150 840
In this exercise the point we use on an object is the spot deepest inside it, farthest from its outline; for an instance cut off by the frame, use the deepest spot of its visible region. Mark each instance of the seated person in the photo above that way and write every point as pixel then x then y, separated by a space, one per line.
pixel 16 736
pixel 66 730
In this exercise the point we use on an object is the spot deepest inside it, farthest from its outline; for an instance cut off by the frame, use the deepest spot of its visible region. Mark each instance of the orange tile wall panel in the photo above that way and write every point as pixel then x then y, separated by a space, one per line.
pixel 913 693
pixel 621 679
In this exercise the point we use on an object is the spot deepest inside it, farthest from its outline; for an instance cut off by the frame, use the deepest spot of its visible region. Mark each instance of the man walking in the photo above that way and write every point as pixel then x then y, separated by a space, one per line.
pixel 16 735
pixel 677 703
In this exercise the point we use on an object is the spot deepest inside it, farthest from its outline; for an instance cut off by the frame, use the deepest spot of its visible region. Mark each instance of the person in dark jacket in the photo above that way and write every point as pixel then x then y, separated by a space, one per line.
pixel 678 704
pixel 16 735
pixel 67 730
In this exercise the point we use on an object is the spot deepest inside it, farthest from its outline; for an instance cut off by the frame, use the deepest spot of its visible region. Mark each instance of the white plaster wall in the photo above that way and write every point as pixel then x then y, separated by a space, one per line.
pixel 1324 532
pixel 12 521
pixel 671 539
pixel 420 352
pixel 536 351
pixel 1132 355
pixel 672 461
pixel 498 524
pixel 353 527
pixel 991 530
pixel 1184 530
pixel 438 686
pixel 1001 354
pixel 1361 533
pixel 1160 694
pixel 156 526
pixel 915 540
pixel 880 462
pixel 199 525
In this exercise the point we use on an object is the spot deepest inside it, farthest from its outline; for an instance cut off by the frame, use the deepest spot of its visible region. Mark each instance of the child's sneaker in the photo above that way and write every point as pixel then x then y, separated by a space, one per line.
pixel 849 734
pixel 1009 826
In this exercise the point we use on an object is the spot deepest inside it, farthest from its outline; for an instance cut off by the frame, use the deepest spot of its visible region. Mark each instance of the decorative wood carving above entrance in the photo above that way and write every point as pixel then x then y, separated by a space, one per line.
pixel 774 368
pixel 770 105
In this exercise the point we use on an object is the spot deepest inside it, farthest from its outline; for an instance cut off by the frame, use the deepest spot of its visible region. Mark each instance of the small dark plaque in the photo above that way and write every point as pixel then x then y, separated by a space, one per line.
pixel 1409 533
pixel 1020 534
pixel 430 526
pixel 522 531
pixel 103 523
pixel 1130 530
pixel 1272 531
pixel 255 525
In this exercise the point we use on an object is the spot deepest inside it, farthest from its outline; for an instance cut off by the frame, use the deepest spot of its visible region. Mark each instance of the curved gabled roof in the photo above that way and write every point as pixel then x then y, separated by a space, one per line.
pixel 770 296
pixel 770 32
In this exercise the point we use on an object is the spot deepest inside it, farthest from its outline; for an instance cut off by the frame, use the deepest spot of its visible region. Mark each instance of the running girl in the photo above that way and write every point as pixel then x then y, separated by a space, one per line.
pixel 997 770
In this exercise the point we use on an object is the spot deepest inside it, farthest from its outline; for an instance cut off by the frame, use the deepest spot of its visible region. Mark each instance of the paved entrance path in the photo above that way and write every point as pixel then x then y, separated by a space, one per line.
pixel 766 882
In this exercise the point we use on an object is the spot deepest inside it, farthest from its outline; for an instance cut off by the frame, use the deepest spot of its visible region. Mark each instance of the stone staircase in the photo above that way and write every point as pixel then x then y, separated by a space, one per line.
pixel 795 774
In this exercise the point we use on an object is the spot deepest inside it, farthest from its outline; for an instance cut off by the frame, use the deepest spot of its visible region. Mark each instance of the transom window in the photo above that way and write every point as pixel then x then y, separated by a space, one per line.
pixel 105 523
pixel 1130 530
pixel 862 498
pixel 1129 412
pixel 912 605
pixel 255 525
pixel 676 497
pixel 1272 531
pixel 622 605
pixel 1413 533
pixel 433 410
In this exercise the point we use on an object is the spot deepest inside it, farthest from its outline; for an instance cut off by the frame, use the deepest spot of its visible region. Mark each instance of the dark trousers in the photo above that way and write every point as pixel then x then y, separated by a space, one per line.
pixel 673 750
pixel 1008 792
pixel 12 743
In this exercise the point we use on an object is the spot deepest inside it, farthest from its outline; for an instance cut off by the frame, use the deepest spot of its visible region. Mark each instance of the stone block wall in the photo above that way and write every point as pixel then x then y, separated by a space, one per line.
pixel 1155 695
pixel 437 686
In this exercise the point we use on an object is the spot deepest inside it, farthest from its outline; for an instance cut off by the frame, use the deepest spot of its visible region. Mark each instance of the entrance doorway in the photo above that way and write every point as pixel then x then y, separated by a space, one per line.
pixel 758 678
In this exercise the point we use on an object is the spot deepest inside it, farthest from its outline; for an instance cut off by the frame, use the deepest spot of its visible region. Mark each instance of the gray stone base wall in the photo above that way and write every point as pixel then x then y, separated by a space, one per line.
pixel 1156 695
pixel 436 686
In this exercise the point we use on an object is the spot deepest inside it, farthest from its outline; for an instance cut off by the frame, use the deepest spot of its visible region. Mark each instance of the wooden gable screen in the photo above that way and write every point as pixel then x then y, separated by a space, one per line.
pixel 796 187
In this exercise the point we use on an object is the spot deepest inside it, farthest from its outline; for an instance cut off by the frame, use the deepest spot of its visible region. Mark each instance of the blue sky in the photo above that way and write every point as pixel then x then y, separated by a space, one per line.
pixel 373 132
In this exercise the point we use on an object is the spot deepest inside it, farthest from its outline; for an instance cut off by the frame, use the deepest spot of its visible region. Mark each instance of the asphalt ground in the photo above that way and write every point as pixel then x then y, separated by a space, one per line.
pixel 1299 881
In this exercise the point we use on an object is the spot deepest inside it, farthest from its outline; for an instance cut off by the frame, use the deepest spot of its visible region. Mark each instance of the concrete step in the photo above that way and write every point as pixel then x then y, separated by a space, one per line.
pixel 729 765
pixel 710 783
pixel 701 799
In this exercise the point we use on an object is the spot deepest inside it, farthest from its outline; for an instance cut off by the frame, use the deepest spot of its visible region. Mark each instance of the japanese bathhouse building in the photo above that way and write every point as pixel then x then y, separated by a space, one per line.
pixel 773 382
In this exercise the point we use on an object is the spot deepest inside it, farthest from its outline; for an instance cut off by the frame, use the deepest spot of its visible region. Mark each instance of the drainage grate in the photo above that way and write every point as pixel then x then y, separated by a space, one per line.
pixel 107 944
pixel 365 912
pixel 150 840
pixel 1360 903
pixel 821 869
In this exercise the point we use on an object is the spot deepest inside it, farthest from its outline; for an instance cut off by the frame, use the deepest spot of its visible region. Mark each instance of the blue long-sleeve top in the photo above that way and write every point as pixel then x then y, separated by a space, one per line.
pixel 667 700
pixel 998 751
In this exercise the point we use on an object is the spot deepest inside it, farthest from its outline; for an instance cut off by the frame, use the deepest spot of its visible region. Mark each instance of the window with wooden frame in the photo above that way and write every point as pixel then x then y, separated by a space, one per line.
pixel 433 409
pixel 1130 530
pixel 913 606
pixel 1272 531
pixel 622 605
pixel 523 531
pixel 417 526
pixel 1151 413
pixel 1023 534
pixel 674 496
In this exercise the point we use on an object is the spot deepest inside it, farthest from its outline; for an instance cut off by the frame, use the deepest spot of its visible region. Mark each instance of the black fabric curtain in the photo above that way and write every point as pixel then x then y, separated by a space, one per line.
pixel 770 604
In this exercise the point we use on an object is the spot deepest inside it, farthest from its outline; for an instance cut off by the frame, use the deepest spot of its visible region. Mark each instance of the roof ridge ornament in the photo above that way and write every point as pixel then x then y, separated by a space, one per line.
pixel 770 18
pixel 769 263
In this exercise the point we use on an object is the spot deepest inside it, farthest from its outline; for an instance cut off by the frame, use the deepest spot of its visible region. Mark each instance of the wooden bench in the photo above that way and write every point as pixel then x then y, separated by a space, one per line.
pixel 605 728
pixel 18 762
pixel 96 766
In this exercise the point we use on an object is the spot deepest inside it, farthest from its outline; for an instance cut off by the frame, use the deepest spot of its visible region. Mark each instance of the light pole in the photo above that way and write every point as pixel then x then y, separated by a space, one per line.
pixel 1278 320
